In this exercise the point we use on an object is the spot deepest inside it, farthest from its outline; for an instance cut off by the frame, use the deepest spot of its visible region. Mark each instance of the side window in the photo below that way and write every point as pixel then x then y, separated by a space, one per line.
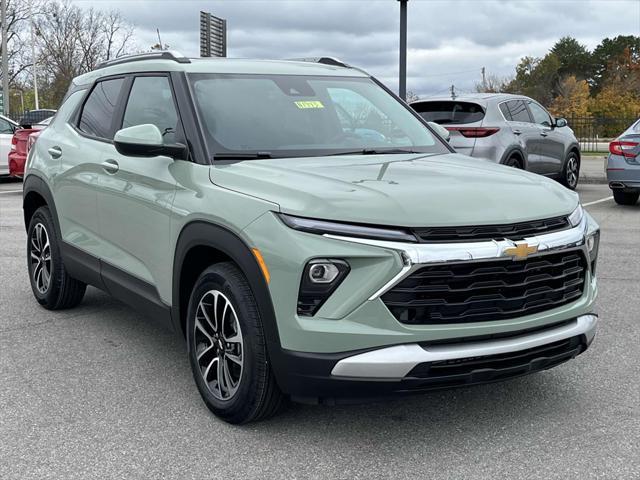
pixel 516 111
pixel 5 127
pixel 151 101
pixel 540 115
pixel 97 113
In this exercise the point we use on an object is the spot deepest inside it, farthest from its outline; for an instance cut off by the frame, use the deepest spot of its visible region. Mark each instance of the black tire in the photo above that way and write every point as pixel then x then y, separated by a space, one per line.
pixel 514 162
pixel 625 198
pixel 571 171
pixel 256 394
pixel 61 291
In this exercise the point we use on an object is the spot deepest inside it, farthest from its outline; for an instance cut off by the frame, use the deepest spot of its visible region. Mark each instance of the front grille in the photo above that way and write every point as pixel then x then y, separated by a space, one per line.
pixel 465 371
pixel 487 290
pixel 513 231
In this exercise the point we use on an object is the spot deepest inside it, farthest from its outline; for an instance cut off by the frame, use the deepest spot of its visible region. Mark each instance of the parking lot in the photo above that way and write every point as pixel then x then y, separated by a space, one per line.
pixel 98 392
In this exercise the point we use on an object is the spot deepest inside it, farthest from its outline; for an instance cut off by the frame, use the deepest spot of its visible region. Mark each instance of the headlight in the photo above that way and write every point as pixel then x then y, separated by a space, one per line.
pixel 319 280
pixel 593 243
pixel 322 227
pixel 576 217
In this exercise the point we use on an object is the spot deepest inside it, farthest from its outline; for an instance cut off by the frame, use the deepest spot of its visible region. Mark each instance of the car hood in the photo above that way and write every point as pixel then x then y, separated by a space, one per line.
pixel 402 190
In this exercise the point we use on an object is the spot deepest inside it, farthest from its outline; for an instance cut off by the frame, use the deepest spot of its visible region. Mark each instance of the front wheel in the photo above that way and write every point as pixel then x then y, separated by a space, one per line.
pixel 625 198
pixel 571 171
pixel 227 349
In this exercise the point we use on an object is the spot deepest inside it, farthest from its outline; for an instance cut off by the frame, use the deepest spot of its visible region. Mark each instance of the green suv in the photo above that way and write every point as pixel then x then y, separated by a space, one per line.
pixel 308 234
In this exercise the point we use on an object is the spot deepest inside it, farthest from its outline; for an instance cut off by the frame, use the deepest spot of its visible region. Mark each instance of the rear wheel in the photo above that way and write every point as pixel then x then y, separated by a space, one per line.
pixel 52 286
pixel 513 162
pixel 571 171
pixel 227 348
pixel 625 198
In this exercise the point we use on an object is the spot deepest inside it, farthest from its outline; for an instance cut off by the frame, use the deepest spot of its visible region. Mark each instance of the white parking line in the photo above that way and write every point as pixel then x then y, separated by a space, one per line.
pixel 597 201
pixel 11 191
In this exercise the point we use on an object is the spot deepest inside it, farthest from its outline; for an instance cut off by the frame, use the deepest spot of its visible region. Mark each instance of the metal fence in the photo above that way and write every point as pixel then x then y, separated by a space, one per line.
pixel 595 133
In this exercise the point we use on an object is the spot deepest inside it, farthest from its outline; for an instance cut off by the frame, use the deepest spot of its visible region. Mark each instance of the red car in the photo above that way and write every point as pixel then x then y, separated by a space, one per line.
pixel 22 140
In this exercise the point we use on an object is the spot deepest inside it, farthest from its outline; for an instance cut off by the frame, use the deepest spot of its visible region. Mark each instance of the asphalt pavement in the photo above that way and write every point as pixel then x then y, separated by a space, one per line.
pixel 100 392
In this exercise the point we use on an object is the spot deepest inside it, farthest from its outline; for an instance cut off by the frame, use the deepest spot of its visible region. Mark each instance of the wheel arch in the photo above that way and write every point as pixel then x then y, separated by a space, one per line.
pixel 201 244
pixel 515 151
pixel 35 194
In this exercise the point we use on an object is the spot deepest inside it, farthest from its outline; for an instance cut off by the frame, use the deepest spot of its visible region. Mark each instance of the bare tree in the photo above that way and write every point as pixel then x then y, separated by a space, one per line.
pixel 493 84
pixel 19 16
pixel 73 41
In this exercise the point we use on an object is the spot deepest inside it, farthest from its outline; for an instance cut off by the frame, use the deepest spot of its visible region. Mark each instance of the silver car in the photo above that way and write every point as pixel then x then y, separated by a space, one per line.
pixel 623 166
pixel 509 129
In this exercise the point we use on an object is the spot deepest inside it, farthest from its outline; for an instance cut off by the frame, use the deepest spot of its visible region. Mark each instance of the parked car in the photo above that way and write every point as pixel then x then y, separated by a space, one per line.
pixel 33 117
pixel 22 140
pixel 623 166
pixel 305 231
pixel 508 129
pixel 7 127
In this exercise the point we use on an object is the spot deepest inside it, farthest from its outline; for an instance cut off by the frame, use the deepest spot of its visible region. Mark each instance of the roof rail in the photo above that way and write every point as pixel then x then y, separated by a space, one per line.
pixel 324 60
pixel 163 55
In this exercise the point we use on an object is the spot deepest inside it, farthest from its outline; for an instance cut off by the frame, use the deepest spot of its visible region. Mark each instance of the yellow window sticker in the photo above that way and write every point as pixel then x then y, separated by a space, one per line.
pixel 309 104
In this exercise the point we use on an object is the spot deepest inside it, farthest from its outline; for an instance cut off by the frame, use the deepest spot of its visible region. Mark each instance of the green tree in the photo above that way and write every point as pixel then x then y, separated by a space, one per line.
pixel 610 56
pixel 537 78
pixel 574 58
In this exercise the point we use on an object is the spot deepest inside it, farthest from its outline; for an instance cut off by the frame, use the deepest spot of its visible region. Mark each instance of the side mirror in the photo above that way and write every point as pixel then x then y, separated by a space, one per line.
pixel 440 130
pixel 146 141
pixel 560 122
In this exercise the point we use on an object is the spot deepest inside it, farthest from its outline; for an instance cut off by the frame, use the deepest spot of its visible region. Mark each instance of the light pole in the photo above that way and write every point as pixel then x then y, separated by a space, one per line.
pixel 402 89
pixel 5 58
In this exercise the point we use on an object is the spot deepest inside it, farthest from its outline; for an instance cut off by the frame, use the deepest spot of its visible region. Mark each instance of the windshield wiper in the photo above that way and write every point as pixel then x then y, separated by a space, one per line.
pixel 242 156
pixel 371 151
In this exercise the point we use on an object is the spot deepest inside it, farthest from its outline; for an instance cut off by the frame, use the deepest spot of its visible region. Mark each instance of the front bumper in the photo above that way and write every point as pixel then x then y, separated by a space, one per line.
pixel 414 368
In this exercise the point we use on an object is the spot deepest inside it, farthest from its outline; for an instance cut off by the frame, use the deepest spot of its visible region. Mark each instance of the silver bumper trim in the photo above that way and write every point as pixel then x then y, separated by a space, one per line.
pixel 394 363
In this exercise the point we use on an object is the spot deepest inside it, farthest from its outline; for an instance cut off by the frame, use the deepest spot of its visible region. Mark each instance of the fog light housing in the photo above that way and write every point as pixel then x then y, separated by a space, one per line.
pixel 320 278
pixel 593 243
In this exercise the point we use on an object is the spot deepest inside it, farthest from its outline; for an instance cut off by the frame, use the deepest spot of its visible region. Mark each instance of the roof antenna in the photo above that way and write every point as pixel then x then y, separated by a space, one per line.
pixel 159 39
pixel 453 92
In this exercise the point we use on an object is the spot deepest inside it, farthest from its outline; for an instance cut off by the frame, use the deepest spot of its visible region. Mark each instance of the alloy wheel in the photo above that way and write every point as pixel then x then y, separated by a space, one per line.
pixel 572 172
pixel 219 347
pixel 40 258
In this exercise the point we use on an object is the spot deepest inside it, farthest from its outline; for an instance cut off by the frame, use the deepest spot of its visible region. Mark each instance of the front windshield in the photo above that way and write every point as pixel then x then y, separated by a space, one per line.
pixel 287 115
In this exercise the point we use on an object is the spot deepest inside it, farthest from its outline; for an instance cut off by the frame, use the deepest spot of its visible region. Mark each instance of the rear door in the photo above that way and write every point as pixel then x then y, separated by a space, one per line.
pixel 519 120
pixel 549 143
pixel 452 114
pixel 135 194
pixel 79 149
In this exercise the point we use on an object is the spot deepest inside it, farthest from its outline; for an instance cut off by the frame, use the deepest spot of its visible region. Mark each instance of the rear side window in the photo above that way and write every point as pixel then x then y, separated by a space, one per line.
pixel 449 112
pixel 151 101
pixel 5 127
pixel 515 111
pixel 97 113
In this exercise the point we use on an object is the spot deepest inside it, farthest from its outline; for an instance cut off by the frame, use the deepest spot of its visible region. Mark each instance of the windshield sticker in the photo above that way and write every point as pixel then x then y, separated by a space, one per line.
pixel 309 104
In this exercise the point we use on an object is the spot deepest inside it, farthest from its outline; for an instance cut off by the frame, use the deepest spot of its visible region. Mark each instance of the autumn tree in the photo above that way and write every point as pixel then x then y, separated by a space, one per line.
pixel 573 98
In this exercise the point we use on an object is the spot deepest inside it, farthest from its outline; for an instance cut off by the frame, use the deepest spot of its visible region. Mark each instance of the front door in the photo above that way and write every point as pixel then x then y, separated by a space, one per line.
pixel 135 194
pixel 550 143
pixel 526 133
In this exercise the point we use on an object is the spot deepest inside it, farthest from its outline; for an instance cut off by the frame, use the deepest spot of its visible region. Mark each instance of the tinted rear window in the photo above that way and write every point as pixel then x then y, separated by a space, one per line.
pixel 449 112
pixel 97 112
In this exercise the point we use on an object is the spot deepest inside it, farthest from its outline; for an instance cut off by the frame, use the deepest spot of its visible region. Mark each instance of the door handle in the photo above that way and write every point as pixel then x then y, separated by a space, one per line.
pixel 543 134
pixel 517 132
pixel 55 152
pixel 110 166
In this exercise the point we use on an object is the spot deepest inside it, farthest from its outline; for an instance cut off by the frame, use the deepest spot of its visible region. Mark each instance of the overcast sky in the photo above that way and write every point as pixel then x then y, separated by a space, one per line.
pixel 449 41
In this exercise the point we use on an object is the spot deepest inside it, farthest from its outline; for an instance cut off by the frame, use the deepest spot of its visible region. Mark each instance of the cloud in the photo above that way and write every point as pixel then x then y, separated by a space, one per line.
pixel 449 41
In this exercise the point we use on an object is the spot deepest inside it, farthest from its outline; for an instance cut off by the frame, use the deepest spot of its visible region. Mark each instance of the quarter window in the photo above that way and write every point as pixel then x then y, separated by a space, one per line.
pixel 515 111
pixel 151 101
pixel 97 113
pixel 539 114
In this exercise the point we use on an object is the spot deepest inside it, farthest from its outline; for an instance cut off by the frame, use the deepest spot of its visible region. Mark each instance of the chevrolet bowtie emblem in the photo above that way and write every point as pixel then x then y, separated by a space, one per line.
pixel 521 251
